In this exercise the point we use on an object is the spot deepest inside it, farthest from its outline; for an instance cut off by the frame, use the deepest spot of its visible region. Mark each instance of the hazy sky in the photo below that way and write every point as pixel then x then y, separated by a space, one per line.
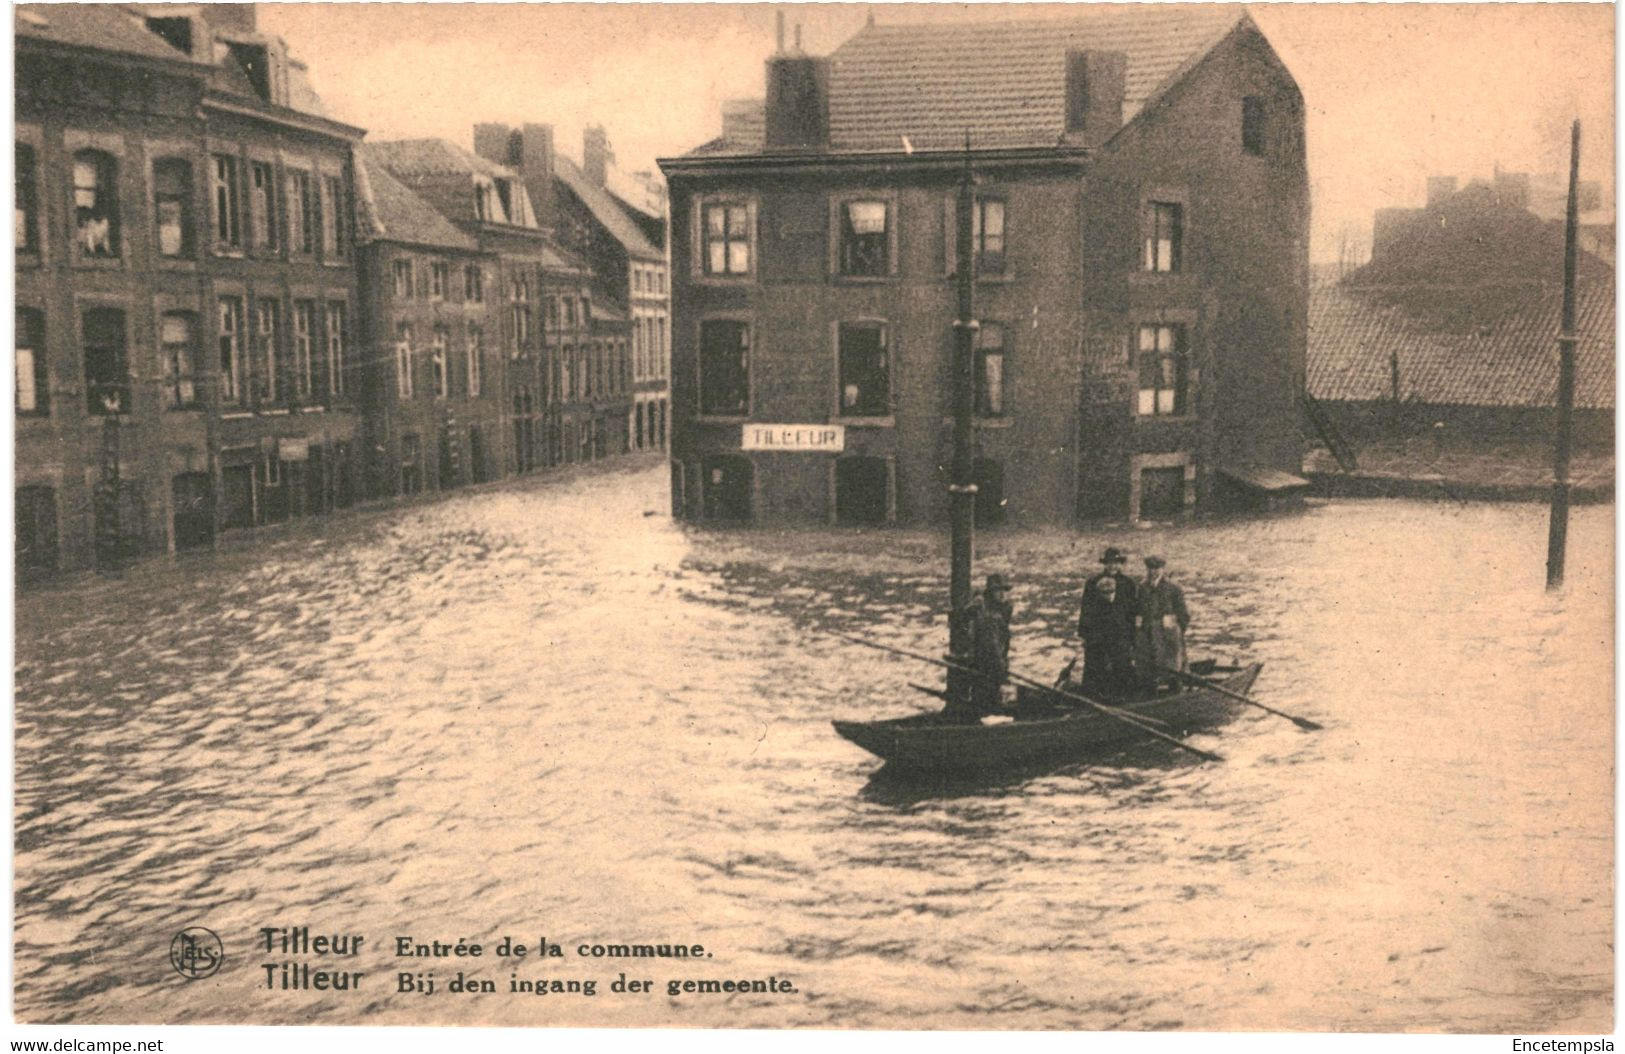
pixel 1394 92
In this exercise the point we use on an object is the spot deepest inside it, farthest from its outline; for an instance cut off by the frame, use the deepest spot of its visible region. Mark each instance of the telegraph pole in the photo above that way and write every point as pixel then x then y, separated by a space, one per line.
pixel 962 484
pixel 1558 535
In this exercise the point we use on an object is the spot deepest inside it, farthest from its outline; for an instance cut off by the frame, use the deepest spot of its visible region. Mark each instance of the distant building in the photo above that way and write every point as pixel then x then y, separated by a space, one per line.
pixel 1452 325
pixel 186 284
pixel 437 367
pixel 566 364
pixel 1141 252
pixel 624 245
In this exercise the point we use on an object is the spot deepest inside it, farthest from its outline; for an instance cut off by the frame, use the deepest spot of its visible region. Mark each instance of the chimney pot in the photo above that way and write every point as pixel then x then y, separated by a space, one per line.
pixel 1094 94
pixel 596 156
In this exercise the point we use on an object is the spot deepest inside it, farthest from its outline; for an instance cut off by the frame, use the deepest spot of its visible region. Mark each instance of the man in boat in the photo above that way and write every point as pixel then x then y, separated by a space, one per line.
pixel 987 618
pixel 1163 621
pixel 1112 564
pixel 1107 628
pixel 1100 625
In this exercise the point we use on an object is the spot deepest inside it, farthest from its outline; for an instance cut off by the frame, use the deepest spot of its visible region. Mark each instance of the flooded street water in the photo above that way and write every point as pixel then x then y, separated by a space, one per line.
pixel 549 711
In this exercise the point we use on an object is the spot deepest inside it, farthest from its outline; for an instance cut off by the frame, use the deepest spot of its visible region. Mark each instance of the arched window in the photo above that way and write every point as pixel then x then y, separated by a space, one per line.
pixel 177 333
pixel 95 203
pixel 172 204
pixel 107 370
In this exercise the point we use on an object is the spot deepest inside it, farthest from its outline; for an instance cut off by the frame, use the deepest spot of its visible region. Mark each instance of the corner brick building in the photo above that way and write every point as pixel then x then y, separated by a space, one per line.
pixel 186 284
pixel 1142 273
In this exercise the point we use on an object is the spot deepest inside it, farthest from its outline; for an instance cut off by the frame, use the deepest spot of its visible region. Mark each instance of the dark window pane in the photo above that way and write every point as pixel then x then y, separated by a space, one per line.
pixel 724 368
pixel 26 220
pixel 864 371
pixel 107 377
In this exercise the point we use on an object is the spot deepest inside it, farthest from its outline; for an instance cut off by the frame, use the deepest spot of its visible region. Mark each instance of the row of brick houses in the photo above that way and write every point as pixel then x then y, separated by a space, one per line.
pixel 1142 274
pixel 231 312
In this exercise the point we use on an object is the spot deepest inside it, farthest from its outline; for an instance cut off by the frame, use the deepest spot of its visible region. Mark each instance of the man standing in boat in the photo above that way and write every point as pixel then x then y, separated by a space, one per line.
pixel 1107 628
pixel 988 619
pixel 1106 625
pixel 1163 621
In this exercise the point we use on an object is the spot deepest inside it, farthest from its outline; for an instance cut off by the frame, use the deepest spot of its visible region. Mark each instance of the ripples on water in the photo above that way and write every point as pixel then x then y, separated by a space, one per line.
pixel 539 711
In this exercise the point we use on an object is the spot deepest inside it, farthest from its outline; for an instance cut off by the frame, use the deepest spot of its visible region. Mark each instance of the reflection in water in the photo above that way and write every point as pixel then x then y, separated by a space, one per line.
pixel 535 711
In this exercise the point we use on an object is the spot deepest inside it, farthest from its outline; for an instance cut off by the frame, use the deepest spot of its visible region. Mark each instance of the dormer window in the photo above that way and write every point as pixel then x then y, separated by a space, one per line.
pixel 177 31
pixel 256 66
pixel 488 207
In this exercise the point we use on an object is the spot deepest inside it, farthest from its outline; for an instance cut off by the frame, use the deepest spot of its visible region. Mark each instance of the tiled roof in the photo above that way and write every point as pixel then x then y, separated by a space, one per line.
pixel 1004 82
pixel 391 212
pixel 606 209
pixel 427 157
pixel 108 27
pixel 1507 356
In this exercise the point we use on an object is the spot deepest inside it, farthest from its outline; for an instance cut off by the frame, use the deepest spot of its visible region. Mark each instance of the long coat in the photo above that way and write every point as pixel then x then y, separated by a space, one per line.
pixel 1107 630
pixel 989 625
pixel 1127 604
pixel 1163 621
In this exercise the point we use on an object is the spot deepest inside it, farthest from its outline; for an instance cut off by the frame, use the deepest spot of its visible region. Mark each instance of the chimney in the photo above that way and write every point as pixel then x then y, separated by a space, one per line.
pixel 596 157
pixel 797 103
pixel 1094 95
pixel 491 142
pixel 1440 190
pixel 1512 189
pixel 230 18
pixel 535 165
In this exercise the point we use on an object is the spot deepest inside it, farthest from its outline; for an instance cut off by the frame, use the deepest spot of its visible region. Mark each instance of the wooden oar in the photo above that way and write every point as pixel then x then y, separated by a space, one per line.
pixel 1078 697
pixel 1109 711
pixel 1302 722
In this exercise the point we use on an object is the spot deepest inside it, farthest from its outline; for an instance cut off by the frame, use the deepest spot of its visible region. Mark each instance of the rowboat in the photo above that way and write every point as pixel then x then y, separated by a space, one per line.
pixel 1040 728
pixel 1039 731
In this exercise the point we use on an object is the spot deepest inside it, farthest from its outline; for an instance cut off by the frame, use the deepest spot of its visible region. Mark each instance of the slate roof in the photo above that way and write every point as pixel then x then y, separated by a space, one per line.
pixel 606 209
pixel 603 311
pixel 1004 81
pixel 105 27
pixel 391 212
pixel 430 157
pixel 1508 357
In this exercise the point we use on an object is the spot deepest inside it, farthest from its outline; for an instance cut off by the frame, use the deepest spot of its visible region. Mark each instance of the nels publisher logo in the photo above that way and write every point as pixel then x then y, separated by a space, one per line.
pixel 196 952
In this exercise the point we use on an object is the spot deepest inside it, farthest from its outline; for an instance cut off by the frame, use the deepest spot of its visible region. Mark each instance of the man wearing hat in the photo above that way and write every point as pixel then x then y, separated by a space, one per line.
pixel 1106 619
pixel 1163 621
pixel 988 619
